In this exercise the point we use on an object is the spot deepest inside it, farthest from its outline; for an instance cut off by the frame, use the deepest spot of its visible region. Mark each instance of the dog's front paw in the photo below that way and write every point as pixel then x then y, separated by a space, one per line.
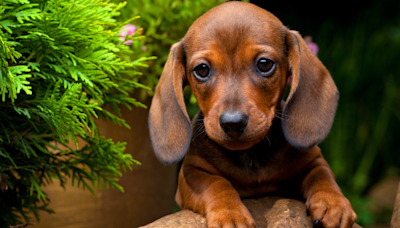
pixel 231 217
pixel 332 210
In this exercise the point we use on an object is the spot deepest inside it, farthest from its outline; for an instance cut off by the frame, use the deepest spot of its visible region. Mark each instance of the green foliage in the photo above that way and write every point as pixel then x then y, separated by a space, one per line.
pixel 164 23
pixel 60 62
pixel 362 147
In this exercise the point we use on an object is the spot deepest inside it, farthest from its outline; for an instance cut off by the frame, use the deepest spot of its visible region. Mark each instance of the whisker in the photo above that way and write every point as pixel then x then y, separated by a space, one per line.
pixel 197 135
pixel 198 121
pixel 266 137
pixel 281 118
pixel 198 132
pixel 281 115
pixel 279 111
pixel 199 126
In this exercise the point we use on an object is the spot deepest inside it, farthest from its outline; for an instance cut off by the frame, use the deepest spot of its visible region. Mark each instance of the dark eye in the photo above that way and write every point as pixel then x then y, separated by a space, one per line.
pixel 201 71
pixel 265 66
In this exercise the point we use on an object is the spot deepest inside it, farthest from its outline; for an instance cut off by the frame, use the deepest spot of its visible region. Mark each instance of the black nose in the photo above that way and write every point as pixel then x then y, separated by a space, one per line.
pixel 233 123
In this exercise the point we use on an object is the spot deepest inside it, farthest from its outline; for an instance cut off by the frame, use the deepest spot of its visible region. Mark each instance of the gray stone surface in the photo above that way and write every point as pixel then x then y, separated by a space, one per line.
pixel 268 212
pixel 396 212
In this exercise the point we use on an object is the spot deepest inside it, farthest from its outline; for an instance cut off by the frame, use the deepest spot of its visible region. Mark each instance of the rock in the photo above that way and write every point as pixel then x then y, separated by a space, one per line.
pixel 396 212
pixel 268 212
pixel 181 219
pixel 383 195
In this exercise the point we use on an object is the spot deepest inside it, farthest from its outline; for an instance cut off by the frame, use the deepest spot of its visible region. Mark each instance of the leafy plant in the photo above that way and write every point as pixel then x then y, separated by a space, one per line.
pixel 164 22
pixel 362 58
pixel 60 63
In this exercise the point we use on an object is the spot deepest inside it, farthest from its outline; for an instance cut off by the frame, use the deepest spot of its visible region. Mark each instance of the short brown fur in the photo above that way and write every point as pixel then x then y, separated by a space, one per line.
pixel 276 152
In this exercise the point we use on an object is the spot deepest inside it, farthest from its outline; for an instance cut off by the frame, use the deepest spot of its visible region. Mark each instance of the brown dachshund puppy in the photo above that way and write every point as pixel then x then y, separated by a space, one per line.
pixel 246 141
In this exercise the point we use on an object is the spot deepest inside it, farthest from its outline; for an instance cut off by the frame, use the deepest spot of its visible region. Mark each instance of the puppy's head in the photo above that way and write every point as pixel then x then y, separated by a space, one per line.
pixel 237 58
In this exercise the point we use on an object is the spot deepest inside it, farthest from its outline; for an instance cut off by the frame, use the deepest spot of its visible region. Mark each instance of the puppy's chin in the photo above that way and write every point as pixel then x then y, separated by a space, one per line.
pixel 234 144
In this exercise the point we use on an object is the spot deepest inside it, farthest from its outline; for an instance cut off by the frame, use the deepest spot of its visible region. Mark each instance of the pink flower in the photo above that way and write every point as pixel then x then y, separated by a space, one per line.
pixel 314 49
pixel 128 29
pixel 313 46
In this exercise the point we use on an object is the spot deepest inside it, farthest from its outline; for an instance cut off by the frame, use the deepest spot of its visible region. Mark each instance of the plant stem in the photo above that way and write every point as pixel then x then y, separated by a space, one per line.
pixel 22 225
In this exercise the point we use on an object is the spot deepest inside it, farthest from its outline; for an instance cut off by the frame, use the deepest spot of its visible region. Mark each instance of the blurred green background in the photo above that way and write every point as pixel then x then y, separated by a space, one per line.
pixel 359 43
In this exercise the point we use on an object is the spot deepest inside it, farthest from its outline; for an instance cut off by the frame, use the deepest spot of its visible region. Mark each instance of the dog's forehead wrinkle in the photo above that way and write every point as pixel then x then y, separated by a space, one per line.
pixel 235 25
pixel 229 40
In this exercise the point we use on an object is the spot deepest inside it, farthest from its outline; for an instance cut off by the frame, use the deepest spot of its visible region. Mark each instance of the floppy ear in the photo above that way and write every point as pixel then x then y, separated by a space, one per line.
pixel 311 104
pixel 170 128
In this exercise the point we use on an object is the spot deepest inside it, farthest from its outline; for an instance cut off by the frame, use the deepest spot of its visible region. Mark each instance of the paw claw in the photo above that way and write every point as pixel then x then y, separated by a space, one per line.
pixel 331 210
pixel 316 223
